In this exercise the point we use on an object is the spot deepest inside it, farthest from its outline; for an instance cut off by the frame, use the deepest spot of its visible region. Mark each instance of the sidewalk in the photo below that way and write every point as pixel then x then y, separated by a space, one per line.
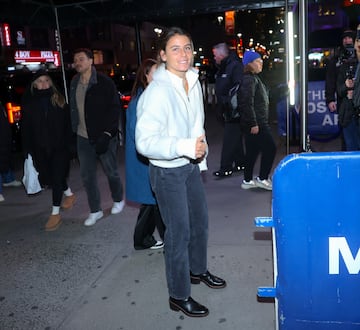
pixel 91 278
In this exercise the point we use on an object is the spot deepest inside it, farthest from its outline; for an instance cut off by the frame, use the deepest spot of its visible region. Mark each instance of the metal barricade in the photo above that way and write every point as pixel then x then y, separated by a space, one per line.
pixel 316 242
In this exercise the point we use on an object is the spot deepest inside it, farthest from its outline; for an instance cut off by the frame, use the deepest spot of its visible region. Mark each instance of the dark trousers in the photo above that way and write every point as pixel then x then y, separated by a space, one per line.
pixel 255 144
pixel 232 153
pixel 53 168
pixel 148 219
pixel 181 198
pixel 88 166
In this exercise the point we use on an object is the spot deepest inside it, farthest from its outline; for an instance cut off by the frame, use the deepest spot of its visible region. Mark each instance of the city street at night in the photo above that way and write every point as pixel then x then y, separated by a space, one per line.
pixel 92 278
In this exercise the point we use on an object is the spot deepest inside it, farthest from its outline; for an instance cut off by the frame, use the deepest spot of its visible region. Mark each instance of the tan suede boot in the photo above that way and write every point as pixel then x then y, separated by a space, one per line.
pixel 68 202
pixel 53 223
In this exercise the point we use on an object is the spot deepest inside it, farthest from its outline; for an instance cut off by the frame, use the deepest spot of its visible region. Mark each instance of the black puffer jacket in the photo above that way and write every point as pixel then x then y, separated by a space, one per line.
pixel 253 101
pixel 5 141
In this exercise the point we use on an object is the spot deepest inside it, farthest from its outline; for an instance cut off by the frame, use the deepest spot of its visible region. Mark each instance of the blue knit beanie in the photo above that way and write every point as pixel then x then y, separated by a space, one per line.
pixel 250 56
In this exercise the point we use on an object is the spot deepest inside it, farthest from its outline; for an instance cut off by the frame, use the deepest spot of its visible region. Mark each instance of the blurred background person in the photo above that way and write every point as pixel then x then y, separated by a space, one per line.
pixel 229 74
pixel 343 53
pixel 253 100
pixel 46 135
pixel 348 117
pixel 138 188
pixel 7 177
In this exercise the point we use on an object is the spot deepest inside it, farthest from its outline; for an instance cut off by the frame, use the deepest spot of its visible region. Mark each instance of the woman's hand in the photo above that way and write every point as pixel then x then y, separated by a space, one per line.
pixel 254 130
pixel 200 147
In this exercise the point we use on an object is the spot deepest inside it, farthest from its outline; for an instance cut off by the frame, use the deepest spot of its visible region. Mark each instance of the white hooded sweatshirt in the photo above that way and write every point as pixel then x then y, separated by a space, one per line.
pixel 169 121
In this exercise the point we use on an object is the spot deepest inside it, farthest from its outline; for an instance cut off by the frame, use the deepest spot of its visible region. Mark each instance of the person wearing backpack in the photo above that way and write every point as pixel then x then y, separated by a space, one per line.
pixel 229 74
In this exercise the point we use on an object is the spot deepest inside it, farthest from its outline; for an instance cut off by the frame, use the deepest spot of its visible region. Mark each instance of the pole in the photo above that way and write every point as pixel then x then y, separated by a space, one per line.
pixel 138 42
pixel 61 56
pixel 303 13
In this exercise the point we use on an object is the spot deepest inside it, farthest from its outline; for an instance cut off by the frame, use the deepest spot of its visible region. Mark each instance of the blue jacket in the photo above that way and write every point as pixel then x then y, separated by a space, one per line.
pixel 138 188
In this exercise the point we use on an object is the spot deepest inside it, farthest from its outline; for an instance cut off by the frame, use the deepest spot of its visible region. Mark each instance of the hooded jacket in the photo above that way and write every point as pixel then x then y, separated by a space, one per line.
pixel 169 121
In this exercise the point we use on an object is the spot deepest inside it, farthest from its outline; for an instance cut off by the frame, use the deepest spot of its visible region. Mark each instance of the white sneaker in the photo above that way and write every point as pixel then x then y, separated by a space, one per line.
pixel 264 184
pixel 248 184
pixel 1 198
pixel 157 245
pixel 118 207
pixel 14 183
pixel 93 217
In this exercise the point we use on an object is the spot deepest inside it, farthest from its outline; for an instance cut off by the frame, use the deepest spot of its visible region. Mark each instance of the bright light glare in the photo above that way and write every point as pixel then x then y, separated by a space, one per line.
pixel 291 82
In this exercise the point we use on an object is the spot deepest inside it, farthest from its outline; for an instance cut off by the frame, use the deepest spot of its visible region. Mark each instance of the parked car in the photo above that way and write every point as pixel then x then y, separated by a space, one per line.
pixel 124 85
pixel 12 87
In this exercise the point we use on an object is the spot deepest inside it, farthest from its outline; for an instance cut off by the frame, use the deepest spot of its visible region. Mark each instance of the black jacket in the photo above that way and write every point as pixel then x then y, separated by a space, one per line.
pixel 229 74
pixel 344 105
pixel 253 101
pixel 102 106
pixel 45 127
pixel 332 71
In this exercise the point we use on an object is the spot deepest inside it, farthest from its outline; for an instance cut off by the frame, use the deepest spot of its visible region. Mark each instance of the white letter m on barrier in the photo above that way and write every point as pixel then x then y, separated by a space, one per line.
pixel 338 246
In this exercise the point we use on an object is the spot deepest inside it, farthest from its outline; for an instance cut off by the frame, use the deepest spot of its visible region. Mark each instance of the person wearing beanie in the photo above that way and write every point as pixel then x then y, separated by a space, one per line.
pixel 46 136
pixel 253 101
pixel 228 75
pixel 250 56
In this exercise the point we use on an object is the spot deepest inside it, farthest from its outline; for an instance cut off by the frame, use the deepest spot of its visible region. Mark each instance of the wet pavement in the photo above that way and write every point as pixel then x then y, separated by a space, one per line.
pixel 91 277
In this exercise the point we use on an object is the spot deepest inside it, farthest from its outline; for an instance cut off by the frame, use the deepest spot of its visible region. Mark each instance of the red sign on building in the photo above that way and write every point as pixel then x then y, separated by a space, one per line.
pixel 40 56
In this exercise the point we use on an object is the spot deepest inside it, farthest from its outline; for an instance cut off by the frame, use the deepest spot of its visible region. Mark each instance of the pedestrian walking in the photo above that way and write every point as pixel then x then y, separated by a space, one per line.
pixel 46 136
pixel 95 110
pixel 253 100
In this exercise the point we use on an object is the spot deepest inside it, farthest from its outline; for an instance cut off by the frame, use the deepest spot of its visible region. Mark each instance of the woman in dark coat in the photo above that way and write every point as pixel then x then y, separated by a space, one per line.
pixel 47 136
pixel 253 103
pixel 138 188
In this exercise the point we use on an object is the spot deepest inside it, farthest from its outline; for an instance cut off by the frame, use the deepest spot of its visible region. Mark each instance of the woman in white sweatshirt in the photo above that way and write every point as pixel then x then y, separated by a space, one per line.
pixel 170 133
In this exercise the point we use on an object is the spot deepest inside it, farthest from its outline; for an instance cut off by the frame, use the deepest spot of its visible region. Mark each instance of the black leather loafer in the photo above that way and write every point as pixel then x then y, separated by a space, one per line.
pixel 210 280
pixel 222 173
pixel 238 168
pixel 188 306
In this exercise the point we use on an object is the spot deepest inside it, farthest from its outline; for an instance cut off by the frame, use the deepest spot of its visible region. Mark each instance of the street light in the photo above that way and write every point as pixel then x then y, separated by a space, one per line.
pixel 158 31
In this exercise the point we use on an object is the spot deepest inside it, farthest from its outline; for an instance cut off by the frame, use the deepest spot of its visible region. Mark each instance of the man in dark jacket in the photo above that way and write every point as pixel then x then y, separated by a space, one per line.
pixel 342 54
pixel 229 74
pixel 95 110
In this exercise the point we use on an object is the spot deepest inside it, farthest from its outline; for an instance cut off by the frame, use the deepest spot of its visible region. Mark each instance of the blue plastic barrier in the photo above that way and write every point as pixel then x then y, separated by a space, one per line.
pixel 316 236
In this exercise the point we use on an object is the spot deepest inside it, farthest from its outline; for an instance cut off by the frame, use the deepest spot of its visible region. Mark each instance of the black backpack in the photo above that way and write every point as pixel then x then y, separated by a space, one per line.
pixel 231 109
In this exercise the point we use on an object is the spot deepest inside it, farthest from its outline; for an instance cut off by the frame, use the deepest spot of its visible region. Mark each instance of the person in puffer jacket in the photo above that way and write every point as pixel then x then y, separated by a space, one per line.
pixel 253 101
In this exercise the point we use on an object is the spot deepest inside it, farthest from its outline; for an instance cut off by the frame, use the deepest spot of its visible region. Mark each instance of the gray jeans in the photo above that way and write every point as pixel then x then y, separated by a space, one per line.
pixel 182 203
pixel 88 165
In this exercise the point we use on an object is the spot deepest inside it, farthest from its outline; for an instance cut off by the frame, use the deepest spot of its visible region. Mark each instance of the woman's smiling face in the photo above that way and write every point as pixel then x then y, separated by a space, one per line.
pixel 178 54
